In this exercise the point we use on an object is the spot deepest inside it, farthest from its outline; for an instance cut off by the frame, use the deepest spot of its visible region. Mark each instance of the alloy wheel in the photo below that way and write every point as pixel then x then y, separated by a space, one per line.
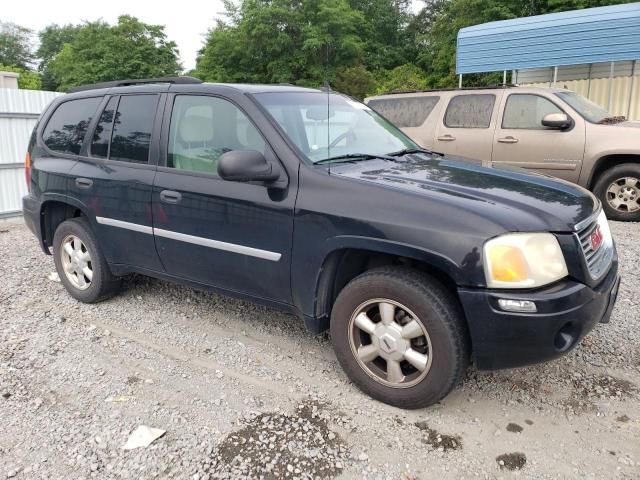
pixel 624 194
pixel 76 262
pixel 390 343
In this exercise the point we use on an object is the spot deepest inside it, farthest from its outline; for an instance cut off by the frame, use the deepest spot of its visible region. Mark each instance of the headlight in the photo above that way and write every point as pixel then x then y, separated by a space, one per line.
pixel 523 260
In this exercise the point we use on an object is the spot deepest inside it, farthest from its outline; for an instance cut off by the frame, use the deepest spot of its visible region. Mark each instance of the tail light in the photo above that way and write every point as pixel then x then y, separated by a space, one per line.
pixel 27 170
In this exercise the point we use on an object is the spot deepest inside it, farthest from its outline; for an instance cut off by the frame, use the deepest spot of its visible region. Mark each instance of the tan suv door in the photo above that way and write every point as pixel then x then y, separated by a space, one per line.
pixel 521 140
pixel 466 129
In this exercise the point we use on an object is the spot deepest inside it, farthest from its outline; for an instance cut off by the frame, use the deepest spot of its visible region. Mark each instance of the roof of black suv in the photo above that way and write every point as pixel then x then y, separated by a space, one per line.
pixel 185 80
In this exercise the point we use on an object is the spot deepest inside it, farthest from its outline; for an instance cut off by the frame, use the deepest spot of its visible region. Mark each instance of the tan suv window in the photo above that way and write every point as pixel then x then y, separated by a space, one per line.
pixel 405 111
pixel 527 111
pixel 470 111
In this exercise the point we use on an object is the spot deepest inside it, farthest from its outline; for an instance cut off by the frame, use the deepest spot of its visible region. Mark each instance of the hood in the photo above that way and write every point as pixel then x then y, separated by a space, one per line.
pixel 517 201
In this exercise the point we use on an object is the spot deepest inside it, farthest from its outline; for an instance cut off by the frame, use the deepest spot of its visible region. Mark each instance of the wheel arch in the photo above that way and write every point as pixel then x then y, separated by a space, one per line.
pixel 609 161
pixel 350 257
pixel 54 210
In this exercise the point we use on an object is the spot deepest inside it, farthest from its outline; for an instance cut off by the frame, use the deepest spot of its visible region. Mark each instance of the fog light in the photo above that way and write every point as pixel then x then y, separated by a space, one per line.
pixel 517 305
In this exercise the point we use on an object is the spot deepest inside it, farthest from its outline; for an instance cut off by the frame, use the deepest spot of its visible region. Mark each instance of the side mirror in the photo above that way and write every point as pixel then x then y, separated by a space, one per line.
pixel 246 166
pixel 556 120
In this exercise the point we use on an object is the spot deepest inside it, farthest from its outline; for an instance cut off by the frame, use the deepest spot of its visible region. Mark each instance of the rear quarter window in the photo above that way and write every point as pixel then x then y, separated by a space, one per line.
pixel 405 111
pixel 67 127
pixel 470 111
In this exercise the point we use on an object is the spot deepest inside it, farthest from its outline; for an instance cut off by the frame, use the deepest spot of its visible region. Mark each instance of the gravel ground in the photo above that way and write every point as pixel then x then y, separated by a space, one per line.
pixel 244 391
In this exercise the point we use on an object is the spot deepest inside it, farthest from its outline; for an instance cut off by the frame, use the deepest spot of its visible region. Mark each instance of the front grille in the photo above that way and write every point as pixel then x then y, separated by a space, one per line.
pixel 597 261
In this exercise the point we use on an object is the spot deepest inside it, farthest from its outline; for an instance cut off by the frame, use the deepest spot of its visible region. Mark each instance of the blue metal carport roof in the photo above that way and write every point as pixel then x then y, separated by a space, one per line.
pixel 592 35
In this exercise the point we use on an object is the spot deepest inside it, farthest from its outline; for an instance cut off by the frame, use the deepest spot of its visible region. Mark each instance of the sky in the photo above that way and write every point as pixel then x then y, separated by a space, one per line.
pixel 186 21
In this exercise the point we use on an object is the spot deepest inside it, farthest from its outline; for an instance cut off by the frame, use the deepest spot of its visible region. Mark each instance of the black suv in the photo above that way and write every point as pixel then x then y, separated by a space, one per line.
pixel 310 201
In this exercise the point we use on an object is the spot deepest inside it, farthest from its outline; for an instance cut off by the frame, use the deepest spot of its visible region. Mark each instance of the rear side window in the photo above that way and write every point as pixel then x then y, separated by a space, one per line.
pixel 132 126
pixel 470 111
pixel 102 133
pixel 68 125
pixel 405 111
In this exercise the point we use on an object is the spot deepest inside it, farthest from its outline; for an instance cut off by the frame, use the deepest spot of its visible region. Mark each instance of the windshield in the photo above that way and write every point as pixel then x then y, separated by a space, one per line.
pixel 331 125
pixel 589 110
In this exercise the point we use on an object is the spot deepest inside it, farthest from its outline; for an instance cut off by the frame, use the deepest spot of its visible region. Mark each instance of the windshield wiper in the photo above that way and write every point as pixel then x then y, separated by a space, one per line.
pixel 409 151
pixel 354 157
pixel 612 120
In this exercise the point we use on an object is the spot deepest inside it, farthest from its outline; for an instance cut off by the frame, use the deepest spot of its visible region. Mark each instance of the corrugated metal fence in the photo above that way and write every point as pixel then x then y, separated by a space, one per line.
pixel 19 112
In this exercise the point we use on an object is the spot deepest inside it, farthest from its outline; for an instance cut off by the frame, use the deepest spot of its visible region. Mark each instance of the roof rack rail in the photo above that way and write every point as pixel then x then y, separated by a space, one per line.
pixel 141 81
pixel 452 89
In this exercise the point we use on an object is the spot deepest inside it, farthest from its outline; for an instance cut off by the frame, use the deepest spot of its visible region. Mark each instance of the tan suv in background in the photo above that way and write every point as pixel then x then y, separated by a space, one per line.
pixel 551 131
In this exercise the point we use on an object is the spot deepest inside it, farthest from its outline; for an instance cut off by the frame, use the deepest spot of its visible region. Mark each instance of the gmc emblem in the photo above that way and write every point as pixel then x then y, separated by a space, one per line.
pixel 596 239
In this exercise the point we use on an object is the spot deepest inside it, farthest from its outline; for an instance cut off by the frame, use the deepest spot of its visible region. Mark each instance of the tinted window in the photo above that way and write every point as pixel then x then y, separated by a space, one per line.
pixel 405 111
pixel 527 111
pixel 132 128
pixel 203 128
pixel 469 111
pixel 102 133
pixel 67 126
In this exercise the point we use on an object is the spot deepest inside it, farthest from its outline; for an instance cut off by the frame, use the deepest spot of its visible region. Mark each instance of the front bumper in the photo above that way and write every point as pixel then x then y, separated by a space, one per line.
pixel 567 311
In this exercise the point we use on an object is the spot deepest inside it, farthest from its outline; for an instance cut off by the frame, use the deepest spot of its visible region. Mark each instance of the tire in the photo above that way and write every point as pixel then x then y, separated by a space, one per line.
pixel 101 284
pixel 624 180
pixel 414 296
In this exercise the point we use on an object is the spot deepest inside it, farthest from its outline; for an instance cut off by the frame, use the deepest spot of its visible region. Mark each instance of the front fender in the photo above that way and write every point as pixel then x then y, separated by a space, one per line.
pixel 379 245
pixel 307 275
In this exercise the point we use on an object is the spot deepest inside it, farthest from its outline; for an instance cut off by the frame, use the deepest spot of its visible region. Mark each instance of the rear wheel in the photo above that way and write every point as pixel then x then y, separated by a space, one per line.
pixel 619 191
pixel 400 337
pixel 80 263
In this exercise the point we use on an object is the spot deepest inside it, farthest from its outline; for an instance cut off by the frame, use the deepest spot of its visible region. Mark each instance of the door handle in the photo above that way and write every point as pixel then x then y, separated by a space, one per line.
pixel 508 139
pixel 169 196
pixel 84 183
pixel 446 138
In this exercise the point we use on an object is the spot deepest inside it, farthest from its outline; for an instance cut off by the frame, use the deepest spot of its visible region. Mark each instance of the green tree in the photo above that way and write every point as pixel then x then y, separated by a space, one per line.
pixel 278 41
pixel 101 52
pixel 15 46
pixel 385 36
pixel 355 81
pixel 404 77
pixel 28 79
pixel 52 40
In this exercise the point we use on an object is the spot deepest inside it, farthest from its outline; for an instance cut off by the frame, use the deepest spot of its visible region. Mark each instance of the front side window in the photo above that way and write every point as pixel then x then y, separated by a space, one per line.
pixel 405 111
pixel 68 125
pixel 524 111
pixel 470 111
pixel 203 128
pixel 325 125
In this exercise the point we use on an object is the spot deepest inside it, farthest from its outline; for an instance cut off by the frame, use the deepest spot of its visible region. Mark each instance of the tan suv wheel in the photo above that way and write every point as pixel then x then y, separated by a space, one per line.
pixel 619 191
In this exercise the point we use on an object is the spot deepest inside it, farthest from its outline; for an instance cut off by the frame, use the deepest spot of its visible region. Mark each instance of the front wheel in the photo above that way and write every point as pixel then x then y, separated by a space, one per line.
pixel 619 191
pixel 400 336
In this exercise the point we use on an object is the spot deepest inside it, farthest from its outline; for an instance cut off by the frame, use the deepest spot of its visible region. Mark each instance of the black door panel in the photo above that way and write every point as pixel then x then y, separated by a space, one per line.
pixel 231 235
pixel 118 192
